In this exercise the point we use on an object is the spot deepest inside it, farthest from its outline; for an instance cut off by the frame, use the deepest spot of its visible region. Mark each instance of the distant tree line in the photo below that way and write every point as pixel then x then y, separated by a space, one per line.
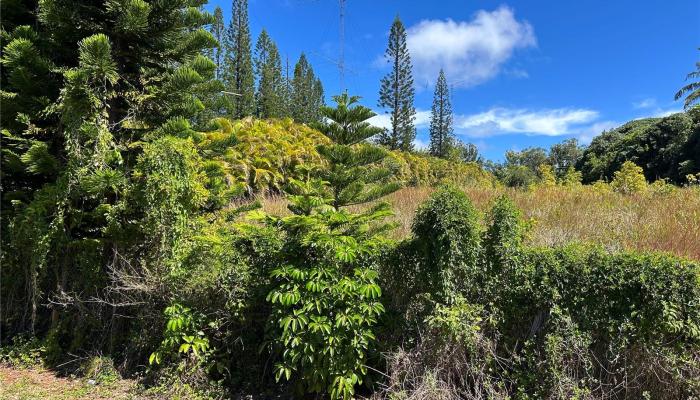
pixel 666 148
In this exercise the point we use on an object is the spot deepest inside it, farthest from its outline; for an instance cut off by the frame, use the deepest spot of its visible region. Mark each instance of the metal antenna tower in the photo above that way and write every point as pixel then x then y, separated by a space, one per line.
pixel 341 60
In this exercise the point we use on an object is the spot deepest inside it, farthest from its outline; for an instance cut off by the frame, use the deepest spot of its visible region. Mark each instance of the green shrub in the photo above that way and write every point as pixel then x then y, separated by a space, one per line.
pixel 571 178
pixel 325 296
pixel 661 186
pixel 24 352
pixel 564 322
pixel 447 237
pixel 99 369
pixel 629 179
pixel 505 233
pixel 546 175
pixel 184 338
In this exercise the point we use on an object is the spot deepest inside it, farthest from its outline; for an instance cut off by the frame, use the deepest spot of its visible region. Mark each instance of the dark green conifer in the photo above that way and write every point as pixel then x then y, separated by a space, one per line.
pixel 353 173
pixel 441 133
pixel 94 84
pixel 238 64
pixel 397 92
pixel 218 30
pixel 269 97
pixel 306 94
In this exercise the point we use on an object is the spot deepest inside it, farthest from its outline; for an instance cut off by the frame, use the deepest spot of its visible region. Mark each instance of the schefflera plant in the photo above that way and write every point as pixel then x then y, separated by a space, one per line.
pixel 326 297
pixel 326 300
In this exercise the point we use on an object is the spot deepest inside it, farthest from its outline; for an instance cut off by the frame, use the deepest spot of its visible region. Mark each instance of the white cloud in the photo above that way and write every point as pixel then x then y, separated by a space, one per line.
pixel 652 108
pixel 383 120
pixel 645 103
pixel 582 123
pixel 548 122
pixel 587 133
pixel 470 52
pixel 661 112
pixel 419 144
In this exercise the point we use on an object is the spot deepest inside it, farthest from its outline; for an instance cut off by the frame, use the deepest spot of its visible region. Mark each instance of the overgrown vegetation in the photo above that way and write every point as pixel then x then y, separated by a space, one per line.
pixel 565 322
pixel 133 243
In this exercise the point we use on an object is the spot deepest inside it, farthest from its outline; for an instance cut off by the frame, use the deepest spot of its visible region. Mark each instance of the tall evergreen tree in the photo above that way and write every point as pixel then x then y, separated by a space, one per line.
pixel 287 89
pixel 269 97
pixel 218 30
pixel 352 174
pixel 238 64
pixel 441 133
pixel 217 103
pixel 307 93
pixel 397 92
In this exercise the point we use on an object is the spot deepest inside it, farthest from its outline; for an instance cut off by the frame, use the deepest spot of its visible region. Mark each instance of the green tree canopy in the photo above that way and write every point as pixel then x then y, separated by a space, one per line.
pixel 269 97
pixel 667 147
pixel 97 155
pixel 306 97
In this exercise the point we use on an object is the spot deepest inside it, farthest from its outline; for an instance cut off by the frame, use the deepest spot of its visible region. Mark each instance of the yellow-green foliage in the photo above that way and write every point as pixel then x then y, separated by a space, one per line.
pixel 601 187
pixel 571 178
pixel 262 155
pixel 547 177
pixel 422 170
pixel 661 186
pixel 693 179
pixel 629 179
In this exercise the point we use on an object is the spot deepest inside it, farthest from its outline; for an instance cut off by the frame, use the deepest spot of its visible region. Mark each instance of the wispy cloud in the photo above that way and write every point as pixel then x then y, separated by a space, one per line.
pixel 581 123
pixel 470 52
pixel 664 112
pixel 645 103
pixel 419 144
pixel 547 122
pixel 586 133
pixel 652 109
pixel 383 120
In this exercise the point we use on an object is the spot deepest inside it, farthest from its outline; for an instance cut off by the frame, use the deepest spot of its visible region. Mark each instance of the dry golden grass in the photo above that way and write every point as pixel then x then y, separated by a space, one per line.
pixel 646 221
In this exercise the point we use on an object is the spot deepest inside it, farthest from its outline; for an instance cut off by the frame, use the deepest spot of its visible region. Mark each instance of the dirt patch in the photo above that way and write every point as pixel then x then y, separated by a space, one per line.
pixel 26 384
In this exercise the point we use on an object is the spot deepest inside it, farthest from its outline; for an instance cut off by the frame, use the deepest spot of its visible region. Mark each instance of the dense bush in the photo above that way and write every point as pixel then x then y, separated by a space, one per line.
pixel 570 322
pixel 629 179
pixel 447 240
pixel 422 170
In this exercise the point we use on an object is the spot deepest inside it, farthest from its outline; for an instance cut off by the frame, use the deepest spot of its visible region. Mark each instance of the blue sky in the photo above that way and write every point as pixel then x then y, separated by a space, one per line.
pixel 525 73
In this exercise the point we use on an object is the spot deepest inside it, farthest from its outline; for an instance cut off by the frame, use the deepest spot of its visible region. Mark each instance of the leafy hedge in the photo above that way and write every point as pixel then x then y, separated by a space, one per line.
pixel 569 322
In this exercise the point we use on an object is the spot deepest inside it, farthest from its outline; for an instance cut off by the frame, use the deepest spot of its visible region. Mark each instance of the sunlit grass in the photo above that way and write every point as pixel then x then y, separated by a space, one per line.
pixel 644 221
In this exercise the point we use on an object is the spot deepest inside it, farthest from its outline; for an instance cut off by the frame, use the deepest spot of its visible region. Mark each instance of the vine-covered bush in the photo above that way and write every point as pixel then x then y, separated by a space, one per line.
pixel 447 239
pixel 560 323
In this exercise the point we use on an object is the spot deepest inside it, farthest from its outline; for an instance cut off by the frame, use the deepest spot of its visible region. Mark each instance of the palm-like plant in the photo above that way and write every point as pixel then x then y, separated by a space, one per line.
pixel 691 91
